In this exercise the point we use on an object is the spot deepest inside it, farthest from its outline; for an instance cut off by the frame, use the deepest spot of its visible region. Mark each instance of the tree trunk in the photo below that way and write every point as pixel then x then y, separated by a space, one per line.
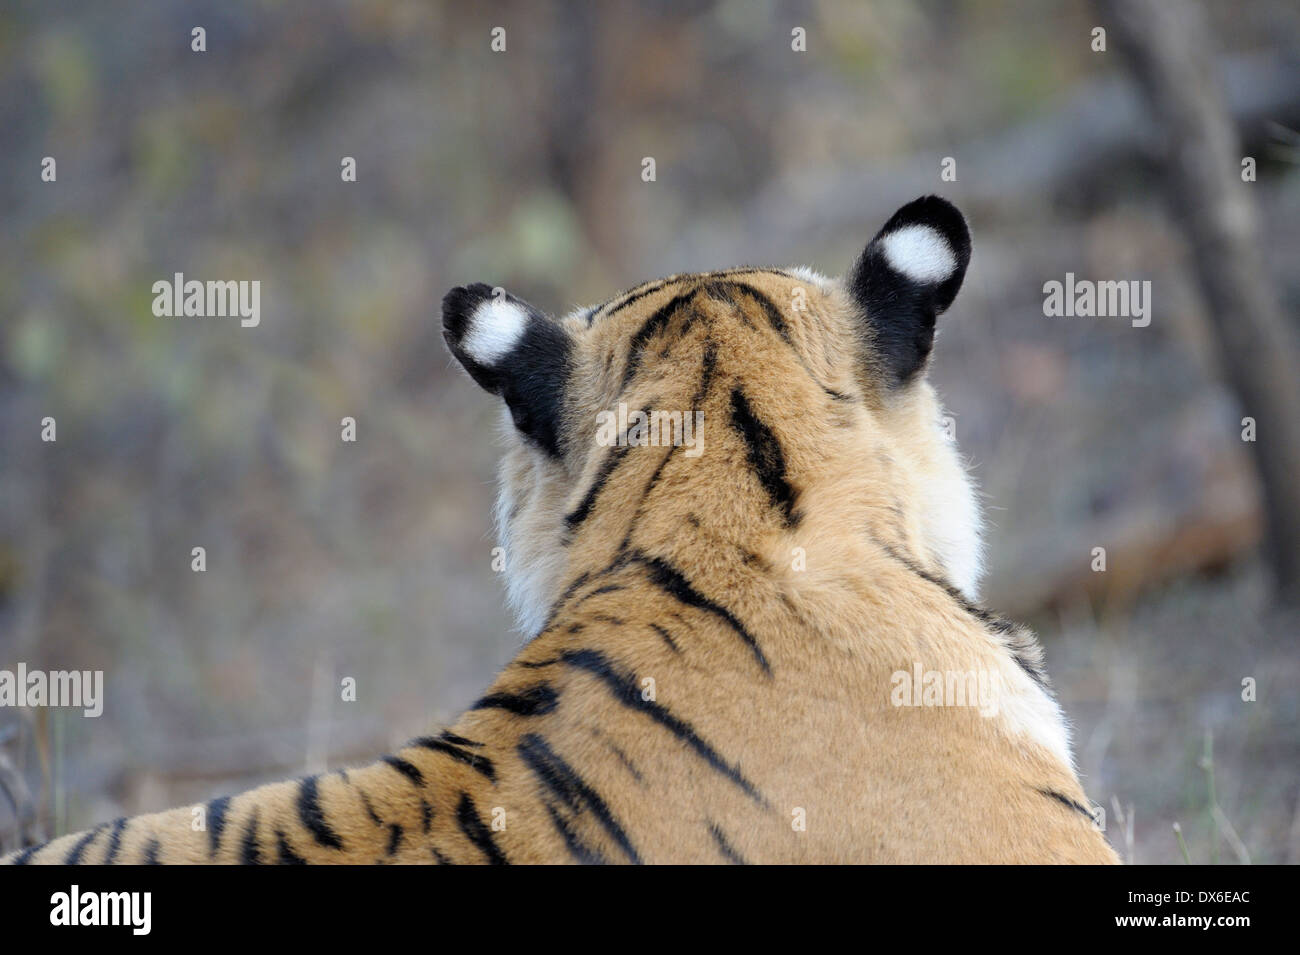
pixel 1167 47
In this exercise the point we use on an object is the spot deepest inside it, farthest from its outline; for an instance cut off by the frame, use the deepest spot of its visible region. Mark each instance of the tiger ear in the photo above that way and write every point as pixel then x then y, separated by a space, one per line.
pixel 512 350
pixel 907 276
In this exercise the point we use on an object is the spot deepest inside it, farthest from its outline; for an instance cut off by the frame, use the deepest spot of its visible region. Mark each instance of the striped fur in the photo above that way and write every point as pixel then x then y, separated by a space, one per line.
pixel 712 640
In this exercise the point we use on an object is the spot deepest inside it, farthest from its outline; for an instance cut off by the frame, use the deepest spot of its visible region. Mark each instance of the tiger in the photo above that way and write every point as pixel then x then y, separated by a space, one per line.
pixel 722 626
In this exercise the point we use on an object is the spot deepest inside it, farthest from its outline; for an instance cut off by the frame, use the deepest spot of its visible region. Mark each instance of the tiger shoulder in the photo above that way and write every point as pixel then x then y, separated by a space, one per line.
pixel 746 554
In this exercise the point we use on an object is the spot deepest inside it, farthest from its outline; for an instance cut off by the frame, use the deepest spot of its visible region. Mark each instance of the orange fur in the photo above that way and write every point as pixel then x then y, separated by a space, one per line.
pixel 658 733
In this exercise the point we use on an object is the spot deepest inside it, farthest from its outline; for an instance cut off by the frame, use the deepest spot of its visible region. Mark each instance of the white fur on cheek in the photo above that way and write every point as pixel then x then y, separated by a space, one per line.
pixel 811 276
pixel 525 579
pixel 494 329
pixel 920 253
pixel 953 524
pixel 534 562
pixel 1026 710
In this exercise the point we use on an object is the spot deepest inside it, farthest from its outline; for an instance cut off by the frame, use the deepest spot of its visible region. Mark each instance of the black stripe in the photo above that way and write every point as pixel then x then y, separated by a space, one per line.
pixel 249 854
pixel 666 636
pixel 613 458
pixel 115 840
pixel 636 515
pixel 774 316
pixel 707 367
pixel 636 294
pixel 652 326
pixel 725 291
pixel 625 689
pixel 995 622
pixel 1000 624
pixel 728 853
pixel 776 319
pixel 426 815
pixel 451 737
pixel 746 270
pixel 78 849
pixel 765 456
pixel 216 815
pixel 480 763
pixel 394 838
pixel 151 850
pixel 627 763
pixel 561 779
pixel 409 770
pixel 312 816
pixel 26 855
pixel 1067 801
pixel 669 579
pixel 569 591
pixel 753 560
pixel 441 859
pixel 480 835
pixel 535 701
pixel 284 852
pixel 577 848
pixel 370 810
pixel 719 291
pixel 1034 670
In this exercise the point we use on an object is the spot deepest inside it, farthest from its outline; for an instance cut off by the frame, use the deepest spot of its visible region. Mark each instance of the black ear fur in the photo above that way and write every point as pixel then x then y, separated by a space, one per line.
pixel 907 276
pixel 527 363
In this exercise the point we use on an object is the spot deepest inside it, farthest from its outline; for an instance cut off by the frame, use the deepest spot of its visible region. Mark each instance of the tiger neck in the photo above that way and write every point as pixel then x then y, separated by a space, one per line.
pixel 688 555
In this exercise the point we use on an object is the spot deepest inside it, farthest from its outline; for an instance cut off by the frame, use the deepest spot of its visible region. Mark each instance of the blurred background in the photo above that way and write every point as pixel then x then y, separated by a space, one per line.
pixel 372 560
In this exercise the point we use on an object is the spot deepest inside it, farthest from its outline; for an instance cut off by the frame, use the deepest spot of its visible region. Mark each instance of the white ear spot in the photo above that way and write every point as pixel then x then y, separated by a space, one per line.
pixel 920 253
pixel 494 329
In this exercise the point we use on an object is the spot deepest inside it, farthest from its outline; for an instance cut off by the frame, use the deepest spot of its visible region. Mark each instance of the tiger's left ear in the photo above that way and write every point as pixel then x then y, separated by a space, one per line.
pixel 512 350
pixel 907 276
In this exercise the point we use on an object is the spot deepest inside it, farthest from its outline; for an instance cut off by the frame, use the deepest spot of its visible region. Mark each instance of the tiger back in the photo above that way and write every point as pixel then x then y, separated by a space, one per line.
pixel 745 554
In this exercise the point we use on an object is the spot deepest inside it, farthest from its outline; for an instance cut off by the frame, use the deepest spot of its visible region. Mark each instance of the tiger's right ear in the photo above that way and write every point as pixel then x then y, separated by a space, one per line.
pixel 512 350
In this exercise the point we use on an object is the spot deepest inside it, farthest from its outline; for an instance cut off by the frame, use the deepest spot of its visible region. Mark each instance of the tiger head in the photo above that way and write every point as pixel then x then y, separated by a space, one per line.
pixel 744 412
